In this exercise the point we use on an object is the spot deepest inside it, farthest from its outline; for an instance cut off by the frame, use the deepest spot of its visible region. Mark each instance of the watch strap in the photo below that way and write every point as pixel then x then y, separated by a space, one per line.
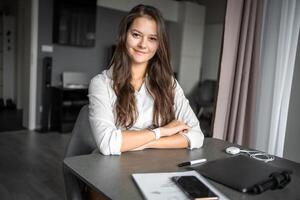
pixel 156 131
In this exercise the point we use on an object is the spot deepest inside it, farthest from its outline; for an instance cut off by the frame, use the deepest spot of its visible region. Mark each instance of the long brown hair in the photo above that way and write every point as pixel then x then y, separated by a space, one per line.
pixel 160 82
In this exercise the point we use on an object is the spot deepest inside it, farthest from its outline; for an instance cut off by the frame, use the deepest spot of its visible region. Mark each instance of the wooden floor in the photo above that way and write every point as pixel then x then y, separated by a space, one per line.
pixel 31 165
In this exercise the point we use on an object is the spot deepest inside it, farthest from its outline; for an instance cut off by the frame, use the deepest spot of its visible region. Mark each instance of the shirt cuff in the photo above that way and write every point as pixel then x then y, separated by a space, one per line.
pixel 115 143
pixel 195 139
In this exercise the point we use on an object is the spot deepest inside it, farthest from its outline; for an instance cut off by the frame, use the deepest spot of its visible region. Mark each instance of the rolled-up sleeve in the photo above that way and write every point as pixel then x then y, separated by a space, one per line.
pixel 184 112
pixel 108 138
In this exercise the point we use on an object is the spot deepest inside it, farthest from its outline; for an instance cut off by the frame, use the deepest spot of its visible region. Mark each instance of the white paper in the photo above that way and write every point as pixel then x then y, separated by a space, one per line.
pixel 158 186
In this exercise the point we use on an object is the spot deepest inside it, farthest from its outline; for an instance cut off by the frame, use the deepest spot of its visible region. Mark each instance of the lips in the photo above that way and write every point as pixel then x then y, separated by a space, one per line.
pixel 139 52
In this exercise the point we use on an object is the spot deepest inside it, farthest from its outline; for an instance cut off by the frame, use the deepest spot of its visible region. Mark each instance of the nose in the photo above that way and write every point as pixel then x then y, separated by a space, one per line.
pixel 142 43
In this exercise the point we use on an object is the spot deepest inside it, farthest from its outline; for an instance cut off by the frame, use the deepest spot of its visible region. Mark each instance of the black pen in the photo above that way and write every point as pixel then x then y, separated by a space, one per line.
pixel 192 162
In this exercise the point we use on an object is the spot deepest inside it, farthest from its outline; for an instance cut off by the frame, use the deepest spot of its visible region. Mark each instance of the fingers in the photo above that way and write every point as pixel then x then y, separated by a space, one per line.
pixel 181 126
pixel 174 127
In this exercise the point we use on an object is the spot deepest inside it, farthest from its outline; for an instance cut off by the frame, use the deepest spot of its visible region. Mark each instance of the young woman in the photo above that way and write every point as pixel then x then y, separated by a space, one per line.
pixel 137 104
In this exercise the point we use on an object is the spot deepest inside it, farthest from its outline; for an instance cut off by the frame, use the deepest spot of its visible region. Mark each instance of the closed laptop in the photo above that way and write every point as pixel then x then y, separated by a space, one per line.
pixel 238 172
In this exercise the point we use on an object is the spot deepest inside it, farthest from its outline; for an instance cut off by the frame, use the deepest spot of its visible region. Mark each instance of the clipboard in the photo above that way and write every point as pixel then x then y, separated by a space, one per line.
pixel 245 174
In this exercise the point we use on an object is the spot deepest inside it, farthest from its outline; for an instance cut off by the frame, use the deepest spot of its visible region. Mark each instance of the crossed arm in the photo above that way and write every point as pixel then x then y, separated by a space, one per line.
pixel 143 139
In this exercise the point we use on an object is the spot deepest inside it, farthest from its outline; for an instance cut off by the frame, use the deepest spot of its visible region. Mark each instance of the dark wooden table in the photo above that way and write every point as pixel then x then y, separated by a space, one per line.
pixel 111 175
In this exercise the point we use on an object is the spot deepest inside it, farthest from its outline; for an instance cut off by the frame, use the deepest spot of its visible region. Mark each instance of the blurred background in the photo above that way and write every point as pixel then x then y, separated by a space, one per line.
pixel 52 48
pixel 49 51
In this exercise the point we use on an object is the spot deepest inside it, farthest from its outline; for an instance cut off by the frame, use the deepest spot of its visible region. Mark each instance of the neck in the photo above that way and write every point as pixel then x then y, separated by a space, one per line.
pixel 138 72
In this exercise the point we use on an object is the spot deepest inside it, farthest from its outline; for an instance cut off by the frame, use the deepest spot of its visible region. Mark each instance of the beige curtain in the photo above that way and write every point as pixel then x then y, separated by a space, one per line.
pixel 238 71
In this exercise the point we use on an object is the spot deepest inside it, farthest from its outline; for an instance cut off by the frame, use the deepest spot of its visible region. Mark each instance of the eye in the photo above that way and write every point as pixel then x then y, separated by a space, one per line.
pixel 153 39
pixel 135 35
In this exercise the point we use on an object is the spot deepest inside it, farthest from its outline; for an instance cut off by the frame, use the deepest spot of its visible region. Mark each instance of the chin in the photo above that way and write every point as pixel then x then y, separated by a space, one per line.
pixel 140 61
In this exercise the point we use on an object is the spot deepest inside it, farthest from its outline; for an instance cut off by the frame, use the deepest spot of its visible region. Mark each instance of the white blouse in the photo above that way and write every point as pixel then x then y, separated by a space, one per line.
pixel 102 114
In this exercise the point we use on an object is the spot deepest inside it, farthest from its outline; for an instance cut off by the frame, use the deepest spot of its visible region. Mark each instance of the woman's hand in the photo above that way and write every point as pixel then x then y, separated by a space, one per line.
pixel 173 128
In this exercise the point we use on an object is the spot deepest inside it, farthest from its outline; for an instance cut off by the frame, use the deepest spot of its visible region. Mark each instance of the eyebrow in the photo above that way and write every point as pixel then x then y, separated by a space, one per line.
pixel 142 33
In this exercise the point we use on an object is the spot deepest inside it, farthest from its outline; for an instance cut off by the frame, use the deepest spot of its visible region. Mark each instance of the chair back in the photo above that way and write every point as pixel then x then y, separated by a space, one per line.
pixel 202 101
pixel 206 92
pixel 81 142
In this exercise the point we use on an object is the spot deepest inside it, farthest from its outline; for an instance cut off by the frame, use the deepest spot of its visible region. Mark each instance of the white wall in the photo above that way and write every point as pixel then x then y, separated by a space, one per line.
pixel 23 58
pixel 292 138
pixel 174 30
pixel 192 20
pixel 8 58
pixel 211 51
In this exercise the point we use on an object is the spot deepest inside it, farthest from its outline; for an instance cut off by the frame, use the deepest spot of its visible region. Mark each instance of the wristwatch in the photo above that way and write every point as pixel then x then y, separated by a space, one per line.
pixel 156 131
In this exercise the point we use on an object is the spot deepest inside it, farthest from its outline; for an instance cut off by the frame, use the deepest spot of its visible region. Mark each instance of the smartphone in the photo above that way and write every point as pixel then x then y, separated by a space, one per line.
pixel 194 188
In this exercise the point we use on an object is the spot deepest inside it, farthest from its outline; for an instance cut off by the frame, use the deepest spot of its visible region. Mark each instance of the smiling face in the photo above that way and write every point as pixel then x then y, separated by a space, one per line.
pixel 141 40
